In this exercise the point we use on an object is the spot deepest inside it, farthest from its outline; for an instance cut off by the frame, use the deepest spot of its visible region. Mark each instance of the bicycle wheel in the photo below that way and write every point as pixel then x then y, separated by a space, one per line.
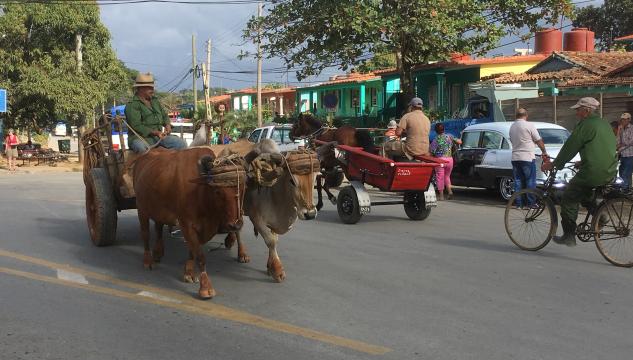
pixel 530 227
pixel 612 228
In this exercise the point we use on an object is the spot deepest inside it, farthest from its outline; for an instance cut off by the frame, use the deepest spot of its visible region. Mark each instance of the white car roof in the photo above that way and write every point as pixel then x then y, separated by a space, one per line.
pixel 504 126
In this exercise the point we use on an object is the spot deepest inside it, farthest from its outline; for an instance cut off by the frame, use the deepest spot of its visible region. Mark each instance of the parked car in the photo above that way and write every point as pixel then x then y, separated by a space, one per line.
pixel 485 157
pixel 280 133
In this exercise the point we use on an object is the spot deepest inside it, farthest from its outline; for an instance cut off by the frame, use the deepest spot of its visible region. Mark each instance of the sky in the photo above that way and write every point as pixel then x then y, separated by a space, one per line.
pixel 156 37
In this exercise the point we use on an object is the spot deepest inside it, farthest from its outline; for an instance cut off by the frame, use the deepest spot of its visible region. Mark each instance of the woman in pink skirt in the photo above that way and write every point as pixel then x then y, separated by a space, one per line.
pixel 442 148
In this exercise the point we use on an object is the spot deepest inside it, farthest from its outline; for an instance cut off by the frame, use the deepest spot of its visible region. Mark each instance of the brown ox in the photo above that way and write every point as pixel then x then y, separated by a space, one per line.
pixel 274 209
pixel 171 191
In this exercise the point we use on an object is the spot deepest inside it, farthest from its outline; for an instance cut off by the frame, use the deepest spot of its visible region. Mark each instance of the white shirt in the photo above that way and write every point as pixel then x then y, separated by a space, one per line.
pixel 523 136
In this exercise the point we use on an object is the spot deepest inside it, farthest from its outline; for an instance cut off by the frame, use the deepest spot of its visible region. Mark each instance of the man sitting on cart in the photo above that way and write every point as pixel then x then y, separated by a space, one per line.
pixel 417 128
pixel 146 119
pixel 595 141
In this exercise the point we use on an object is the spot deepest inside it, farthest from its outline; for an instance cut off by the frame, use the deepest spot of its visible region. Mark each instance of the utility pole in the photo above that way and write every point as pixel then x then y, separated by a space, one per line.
pixel 82 127
pixel 195 72
pixel 207 74
pixel 259 67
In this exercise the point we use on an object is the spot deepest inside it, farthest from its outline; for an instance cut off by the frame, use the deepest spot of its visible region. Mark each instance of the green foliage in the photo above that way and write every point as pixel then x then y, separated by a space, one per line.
pixel 38 63
pixel 312 35
pixel 609 21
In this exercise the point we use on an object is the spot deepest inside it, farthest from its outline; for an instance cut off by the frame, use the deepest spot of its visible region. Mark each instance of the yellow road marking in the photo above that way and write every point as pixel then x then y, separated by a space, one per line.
pixel 186 303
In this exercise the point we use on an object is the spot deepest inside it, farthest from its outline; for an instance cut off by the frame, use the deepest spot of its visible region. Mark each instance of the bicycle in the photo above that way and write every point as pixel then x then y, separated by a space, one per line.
pixel 609 223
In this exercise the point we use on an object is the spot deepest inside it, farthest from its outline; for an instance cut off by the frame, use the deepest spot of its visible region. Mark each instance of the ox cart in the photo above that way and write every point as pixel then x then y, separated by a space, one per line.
pixel 103 173
pixel 412 179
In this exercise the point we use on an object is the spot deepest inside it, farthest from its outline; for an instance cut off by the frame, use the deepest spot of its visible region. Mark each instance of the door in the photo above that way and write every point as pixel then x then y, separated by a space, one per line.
pixel 466 158
pixel 254 137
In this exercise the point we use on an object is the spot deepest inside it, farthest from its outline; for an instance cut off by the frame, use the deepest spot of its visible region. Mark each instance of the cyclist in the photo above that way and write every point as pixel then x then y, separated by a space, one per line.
pixel 594 139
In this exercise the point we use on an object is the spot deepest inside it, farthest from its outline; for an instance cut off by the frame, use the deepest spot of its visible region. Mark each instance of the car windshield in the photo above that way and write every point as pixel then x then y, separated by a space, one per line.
pixel 281 136
pixel 553 136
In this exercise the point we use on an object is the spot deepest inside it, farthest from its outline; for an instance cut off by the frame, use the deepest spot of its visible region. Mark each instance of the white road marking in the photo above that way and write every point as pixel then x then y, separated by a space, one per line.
pixel 71 276
pixel 152 295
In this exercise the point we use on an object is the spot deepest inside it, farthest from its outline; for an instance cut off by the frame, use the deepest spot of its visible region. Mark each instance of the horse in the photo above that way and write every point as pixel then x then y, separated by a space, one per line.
pixel 331 174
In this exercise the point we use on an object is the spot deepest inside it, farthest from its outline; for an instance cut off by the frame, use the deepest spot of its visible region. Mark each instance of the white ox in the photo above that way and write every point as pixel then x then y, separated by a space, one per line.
pixel 274 208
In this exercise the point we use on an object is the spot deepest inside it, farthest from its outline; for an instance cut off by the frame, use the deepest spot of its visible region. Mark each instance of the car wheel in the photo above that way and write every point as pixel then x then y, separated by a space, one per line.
pixel 506 187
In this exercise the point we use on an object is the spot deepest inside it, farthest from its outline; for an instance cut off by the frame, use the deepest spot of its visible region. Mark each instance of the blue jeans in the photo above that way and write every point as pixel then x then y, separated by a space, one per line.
pixel 524 173
pixel 168 142
pixel 626 169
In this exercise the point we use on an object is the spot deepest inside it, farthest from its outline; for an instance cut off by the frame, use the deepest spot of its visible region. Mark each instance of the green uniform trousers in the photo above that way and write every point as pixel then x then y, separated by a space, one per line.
pixel 576 193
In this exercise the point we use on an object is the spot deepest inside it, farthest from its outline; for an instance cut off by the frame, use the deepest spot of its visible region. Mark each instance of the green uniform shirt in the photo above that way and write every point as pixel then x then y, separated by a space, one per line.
pixel 144 119
pixel 594 139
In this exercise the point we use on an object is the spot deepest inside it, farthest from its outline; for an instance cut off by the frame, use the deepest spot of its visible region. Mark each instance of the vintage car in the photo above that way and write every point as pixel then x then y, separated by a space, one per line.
pixel 280 133
pixel 484 158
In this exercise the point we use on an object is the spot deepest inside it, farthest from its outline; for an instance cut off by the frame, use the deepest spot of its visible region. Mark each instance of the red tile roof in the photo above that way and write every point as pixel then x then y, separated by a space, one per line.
pixel 349 79
pixel 220 98
pixel 587 65
pixel 598 81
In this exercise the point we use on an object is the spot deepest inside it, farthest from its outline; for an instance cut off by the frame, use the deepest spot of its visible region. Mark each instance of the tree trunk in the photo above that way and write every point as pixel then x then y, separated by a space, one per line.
pixel 407 85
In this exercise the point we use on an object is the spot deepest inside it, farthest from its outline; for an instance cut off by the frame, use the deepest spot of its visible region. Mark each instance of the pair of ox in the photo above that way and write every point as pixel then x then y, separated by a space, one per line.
pixel 206 195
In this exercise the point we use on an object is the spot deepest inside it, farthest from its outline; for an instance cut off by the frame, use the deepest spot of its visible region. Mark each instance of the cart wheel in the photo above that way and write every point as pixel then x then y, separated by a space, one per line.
pixel 415 206
pixel 347 206
pixel 334 179
pixel 100 208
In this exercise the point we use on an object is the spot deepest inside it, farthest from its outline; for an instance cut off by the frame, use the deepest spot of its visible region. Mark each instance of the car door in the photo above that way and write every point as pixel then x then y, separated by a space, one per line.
pixel 466 157
pixel 496 161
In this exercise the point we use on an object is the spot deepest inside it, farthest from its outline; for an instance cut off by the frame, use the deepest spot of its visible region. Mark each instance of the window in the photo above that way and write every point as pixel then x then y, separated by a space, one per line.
pixel 553 136
pixel 373 95
pixel 470 140
pixel 354 99
pixel 245 99
pixel 491 140
pixel 277 136
pixel 505 145
pixel 255 135
pixel 236 103
pixel 265 134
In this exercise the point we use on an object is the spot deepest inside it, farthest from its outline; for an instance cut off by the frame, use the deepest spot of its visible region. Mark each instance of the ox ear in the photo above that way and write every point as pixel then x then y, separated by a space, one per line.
pixel 252 155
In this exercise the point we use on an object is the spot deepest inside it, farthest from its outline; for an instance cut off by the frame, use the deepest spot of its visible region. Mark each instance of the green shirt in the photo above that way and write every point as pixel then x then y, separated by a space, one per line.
pixel 144 119
pixel 594 139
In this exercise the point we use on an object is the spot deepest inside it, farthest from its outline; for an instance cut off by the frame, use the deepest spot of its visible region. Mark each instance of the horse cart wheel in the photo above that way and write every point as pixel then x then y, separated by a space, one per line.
pixel 101 208
pixel 415 206
pixel 347 205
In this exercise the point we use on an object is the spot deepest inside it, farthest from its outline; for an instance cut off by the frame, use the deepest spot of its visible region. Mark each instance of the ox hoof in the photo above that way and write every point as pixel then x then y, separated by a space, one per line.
pixel 277 272
pixel 229 241
pixel 188 278
pixel 243 259
pixel 148 261
pixel 279 278
pixel 206 294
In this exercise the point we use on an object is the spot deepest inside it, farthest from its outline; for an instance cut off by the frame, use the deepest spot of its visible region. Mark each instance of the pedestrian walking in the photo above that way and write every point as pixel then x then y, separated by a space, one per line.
pixel 11 149
pixel 523 136
pixel 442 148
pixel 625 148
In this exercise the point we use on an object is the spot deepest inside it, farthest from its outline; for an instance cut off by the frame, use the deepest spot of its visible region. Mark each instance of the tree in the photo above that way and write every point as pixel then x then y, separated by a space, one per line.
pixel 38 62
pixel 311 35
pixel 609 21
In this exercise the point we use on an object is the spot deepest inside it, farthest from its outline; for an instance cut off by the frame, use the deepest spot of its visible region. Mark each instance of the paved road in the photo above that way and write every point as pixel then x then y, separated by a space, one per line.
pixel 451 287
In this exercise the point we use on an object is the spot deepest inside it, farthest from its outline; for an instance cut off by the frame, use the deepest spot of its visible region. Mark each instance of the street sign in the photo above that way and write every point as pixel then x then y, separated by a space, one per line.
pixel 3 100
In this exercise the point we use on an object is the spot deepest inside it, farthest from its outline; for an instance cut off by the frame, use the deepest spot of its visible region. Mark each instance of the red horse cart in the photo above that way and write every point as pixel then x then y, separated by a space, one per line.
pixel 411 178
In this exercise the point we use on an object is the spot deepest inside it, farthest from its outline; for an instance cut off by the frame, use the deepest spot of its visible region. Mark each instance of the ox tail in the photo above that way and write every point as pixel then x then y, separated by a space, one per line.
pixel 364 140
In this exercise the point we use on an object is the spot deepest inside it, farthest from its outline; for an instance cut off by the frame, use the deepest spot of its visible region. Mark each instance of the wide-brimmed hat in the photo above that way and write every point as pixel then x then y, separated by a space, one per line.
pixel 392 124
pixel 144 80
pixel 587 102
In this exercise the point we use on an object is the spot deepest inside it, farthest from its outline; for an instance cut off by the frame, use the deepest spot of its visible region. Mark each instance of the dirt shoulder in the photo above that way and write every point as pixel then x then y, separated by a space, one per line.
pixel 72 165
